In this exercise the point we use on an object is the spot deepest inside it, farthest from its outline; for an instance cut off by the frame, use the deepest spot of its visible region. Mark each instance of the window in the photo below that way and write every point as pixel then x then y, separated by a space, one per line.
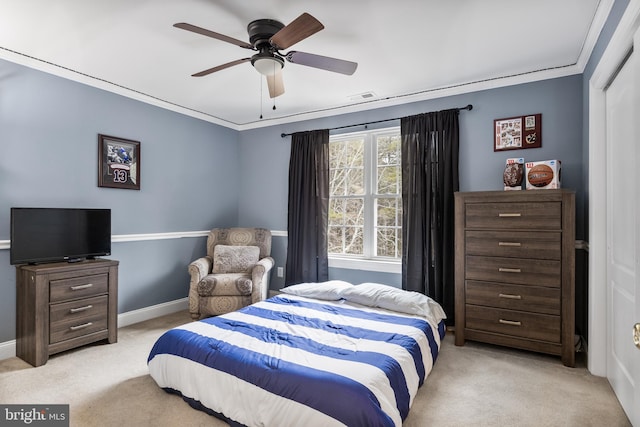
pixel 365 203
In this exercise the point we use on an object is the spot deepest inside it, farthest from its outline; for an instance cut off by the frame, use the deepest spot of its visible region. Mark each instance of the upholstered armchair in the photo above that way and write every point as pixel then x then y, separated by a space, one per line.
pixel 234 273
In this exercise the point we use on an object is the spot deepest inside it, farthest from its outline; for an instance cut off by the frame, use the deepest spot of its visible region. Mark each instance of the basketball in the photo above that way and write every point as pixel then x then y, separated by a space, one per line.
pixel 512 175
pixel 540 175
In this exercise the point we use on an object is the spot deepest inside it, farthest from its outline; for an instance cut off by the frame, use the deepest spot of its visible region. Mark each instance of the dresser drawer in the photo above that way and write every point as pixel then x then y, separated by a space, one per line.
pixel 516 244
pixel 541 327
pixel 76 318
pixel 78 287
pixel 514 270
pixel 529 215
pixel 533 299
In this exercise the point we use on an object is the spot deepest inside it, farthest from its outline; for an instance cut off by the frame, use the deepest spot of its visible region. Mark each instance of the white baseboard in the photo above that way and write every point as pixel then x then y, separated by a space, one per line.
pixel 8 348
pixel 151 312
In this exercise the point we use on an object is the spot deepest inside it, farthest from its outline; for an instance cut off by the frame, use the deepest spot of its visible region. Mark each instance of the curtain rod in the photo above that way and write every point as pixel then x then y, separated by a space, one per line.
pixel 468 108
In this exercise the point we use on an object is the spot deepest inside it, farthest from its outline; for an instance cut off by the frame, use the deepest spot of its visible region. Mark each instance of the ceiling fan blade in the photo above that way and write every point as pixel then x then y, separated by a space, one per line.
pixel 322 62
pixel 220 67
pixel 299 29
pixel 275 84
pixel 209 33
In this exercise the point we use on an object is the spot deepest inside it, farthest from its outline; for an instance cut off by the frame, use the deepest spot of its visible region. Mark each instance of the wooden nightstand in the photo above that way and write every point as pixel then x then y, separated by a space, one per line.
pixel 61 306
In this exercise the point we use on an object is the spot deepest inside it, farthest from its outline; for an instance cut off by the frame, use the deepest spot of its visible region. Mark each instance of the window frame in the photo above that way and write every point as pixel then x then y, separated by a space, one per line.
pixel 367 261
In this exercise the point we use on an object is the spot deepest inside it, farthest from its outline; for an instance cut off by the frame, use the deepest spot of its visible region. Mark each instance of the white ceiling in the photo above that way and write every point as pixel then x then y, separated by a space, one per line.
pixel 407 50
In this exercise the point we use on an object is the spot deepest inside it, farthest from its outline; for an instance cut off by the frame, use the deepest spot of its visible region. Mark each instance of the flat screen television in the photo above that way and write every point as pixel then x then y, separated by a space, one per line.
pixel 59 234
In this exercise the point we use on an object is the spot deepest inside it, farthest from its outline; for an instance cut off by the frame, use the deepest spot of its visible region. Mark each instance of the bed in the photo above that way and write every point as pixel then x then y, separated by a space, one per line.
pixel 321 354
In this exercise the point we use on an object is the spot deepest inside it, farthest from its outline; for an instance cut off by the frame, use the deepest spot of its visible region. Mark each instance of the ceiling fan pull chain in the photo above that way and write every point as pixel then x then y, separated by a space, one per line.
pixel 260 98
pixel 274 73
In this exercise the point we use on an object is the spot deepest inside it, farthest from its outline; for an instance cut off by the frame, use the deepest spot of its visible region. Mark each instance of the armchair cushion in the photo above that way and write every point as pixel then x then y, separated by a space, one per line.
pixel 234 259
pixel 225 285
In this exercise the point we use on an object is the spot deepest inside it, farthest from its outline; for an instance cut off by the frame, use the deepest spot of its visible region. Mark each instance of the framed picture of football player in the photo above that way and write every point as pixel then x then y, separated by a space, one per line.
pixel 118 163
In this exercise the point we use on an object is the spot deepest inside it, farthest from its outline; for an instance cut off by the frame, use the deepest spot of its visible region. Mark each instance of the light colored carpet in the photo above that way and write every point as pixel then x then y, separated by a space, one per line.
pixel 474 385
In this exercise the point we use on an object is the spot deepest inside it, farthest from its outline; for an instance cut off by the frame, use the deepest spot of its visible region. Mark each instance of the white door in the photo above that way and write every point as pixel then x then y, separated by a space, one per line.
pixel 623 233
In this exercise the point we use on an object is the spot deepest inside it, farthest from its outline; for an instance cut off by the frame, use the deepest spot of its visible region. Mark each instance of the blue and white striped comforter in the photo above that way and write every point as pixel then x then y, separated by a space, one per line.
pixel 294 361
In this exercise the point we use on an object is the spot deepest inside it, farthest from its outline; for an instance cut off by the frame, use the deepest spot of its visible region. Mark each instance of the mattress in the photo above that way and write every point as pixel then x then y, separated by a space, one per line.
pixel 292 361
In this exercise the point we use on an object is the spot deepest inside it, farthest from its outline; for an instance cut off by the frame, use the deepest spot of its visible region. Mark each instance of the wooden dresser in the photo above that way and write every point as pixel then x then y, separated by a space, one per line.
pixel 515 270
pixel 64 305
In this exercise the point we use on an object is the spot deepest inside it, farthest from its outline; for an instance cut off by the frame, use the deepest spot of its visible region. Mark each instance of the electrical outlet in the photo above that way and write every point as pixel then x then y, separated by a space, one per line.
pixel 280 272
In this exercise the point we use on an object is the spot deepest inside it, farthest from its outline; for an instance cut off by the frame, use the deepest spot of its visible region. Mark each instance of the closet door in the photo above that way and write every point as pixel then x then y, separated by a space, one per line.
pixel 623 233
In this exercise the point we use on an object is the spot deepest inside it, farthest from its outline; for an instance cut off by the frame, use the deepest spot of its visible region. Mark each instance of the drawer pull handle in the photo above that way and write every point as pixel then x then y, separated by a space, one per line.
pixel 84 325
pixel 509 296
pixel 514 244
pixel 80 287
pixel 79 309
pixel 509 270
pixel 510 215
pixel 510 322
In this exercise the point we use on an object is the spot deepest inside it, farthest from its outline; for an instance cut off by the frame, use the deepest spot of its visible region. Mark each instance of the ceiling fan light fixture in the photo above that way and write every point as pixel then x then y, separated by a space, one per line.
pixel 267 65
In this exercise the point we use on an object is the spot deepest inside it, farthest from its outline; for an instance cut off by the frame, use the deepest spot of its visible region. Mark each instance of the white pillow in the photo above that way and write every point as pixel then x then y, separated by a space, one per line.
pixel 395 299
pixel 329 291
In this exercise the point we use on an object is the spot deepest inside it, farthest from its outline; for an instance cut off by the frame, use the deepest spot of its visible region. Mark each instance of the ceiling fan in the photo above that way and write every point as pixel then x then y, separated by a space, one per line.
pixel 267 37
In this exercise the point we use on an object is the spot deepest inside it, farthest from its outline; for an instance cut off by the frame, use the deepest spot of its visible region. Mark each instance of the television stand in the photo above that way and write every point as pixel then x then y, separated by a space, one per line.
pixel 61 306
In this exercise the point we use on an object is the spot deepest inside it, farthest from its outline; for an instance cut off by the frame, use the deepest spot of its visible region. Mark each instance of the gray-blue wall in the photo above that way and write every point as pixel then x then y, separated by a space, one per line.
pixel 559 101
pixel 196 175
pixel 49 130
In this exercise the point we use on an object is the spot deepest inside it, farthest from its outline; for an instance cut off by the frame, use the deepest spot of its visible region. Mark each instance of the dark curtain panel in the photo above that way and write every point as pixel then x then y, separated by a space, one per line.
pixel 307 259
pixel 429 178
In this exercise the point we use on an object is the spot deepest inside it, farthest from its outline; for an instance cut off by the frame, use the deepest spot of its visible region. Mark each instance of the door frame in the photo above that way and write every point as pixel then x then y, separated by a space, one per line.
pixel 619 46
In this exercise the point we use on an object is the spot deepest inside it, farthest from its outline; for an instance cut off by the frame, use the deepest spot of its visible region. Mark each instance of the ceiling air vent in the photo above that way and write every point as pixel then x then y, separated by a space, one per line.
pixel 363 96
